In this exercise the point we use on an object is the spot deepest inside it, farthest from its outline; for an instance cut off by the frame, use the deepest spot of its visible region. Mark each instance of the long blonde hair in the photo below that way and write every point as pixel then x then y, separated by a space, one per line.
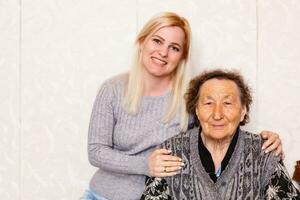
pixel 180 76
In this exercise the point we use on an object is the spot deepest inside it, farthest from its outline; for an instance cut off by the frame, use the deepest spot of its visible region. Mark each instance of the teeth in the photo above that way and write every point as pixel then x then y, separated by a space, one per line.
pixel 158 61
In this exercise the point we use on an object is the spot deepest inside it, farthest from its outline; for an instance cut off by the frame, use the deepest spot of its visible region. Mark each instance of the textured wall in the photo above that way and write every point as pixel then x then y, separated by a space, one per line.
pixel 278 73
pixel 55 54
pixel 10 99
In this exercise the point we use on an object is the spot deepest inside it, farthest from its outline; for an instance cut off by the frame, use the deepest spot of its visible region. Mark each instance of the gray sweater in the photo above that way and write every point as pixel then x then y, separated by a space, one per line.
pixel 119 144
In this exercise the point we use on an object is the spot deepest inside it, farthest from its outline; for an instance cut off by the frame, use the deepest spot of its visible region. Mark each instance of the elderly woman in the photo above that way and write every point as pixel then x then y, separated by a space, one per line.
pixel 221 160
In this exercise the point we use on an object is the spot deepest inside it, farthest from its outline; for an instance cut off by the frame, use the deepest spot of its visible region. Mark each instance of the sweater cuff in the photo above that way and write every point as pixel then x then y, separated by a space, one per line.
pixel 144 168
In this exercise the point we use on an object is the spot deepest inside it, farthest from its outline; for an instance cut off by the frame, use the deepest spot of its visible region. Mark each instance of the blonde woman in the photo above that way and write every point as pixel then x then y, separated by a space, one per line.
pixel 137 111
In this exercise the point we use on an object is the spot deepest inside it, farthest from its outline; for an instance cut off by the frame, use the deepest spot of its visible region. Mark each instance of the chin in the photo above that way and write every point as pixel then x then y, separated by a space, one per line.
pixel 219 135
pixel 159 74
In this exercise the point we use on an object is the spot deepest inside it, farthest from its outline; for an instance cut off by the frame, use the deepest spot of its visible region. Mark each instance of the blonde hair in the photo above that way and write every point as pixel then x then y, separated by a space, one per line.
pixel 180 76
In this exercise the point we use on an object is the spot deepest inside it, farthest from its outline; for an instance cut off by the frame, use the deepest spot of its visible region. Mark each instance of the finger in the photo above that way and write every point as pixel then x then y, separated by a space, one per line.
pixel 266 144
pixel 278 151
pixel 170 158
pixel 173 164
pixel 167 158
pixel 162 151
pixel 165 174
pixel 172 169
pixel 271 139
pixel 265 134
pixel 272 147
pixel 164 171
pixel 269 134
pixel 164 167
pixel 167 169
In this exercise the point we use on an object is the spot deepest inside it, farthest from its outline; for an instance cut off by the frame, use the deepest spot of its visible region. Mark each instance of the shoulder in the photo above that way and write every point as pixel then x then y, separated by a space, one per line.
pixel 119 80
pixel 179 138
pixel 250 136
pixel 252 149
pixel 111 90
pixel 114 85
pixel 252 140
pixel 252 144
pixel 180 142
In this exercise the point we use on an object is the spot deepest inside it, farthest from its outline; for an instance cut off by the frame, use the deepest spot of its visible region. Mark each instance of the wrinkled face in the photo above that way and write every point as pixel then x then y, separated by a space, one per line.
pixel 162 51
pixel 219 108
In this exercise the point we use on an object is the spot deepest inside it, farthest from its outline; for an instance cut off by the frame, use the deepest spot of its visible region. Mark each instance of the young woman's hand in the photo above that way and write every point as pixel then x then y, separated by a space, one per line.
pixel 162 164
pixel 272 143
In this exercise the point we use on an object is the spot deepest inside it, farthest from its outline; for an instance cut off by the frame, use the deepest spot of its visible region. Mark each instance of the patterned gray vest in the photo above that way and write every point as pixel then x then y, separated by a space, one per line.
pixel 245 177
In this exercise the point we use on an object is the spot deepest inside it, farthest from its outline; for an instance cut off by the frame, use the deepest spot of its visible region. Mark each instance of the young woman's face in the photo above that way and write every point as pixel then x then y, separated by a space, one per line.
pixel 162 51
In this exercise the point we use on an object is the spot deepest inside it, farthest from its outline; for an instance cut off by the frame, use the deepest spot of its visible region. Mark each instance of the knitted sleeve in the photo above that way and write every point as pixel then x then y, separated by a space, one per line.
pixel 101 150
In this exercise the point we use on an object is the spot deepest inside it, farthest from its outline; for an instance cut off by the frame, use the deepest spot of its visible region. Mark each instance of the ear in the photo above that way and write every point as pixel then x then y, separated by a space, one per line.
pixel 244 112
pixel 142 42
pixel 141 46
pixel 197 112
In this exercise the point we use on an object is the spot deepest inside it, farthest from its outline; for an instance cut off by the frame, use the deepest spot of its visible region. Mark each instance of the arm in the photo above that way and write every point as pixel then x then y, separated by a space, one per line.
pixel 281 186
pixel 101 150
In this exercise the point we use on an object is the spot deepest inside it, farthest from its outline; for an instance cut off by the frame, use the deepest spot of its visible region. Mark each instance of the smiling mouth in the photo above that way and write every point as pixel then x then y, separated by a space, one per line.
pixel 159 61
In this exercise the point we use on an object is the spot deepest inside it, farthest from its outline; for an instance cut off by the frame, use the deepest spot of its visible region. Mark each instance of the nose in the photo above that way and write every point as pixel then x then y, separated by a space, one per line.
pixel 163 51
pixel 218 112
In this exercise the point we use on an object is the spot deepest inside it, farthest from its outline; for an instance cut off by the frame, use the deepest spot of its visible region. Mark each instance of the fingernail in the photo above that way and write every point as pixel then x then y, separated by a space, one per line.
pixel 179 168
pixel 182 164
pixel 266 151
pixel 180 159
pixel 263 147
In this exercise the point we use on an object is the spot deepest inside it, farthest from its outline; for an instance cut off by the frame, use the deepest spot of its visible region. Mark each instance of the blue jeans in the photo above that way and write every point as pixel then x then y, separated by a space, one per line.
pixel 90 195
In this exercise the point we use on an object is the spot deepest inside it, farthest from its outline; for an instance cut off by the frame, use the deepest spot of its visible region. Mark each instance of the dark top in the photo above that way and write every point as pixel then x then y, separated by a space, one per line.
pixel 207 160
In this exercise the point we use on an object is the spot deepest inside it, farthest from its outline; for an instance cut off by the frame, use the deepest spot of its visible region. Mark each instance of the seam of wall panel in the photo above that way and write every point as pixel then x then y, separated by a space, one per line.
pixel 20 101
pixel 257 63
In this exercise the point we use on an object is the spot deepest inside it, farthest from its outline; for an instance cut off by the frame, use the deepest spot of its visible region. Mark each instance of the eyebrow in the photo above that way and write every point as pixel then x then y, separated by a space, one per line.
pixel 206 98
pixel 211 98
pixel 173 43
pixel 228 97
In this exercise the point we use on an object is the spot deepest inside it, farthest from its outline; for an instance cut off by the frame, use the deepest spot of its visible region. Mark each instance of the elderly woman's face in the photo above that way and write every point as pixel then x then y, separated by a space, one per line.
pixel 219 108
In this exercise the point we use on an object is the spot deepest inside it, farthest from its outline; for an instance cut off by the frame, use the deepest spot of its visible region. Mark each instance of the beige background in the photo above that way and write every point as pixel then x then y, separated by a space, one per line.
pixel 54 55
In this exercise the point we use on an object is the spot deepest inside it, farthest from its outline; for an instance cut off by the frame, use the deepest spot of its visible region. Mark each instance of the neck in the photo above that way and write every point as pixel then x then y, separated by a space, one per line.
pixel 217 148
pixel 156 86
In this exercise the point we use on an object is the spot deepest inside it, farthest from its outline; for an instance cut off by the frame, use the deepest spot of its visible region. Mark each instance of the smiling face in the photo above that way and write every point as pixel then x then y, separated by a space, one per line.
pixel 219 108
pixel 162 51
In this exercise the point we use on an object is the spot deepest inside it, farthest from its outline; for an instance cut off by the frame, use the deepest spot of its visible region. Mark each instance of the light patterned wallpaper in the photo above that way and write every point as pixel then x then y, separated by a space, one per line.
pixel 55 54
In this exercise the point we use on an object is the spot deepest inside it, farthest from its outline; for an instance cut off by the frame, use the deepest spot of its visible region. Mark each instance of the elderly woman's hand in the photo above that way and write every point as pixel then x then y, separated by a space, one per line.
pixel 272 143
pixel 162 164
